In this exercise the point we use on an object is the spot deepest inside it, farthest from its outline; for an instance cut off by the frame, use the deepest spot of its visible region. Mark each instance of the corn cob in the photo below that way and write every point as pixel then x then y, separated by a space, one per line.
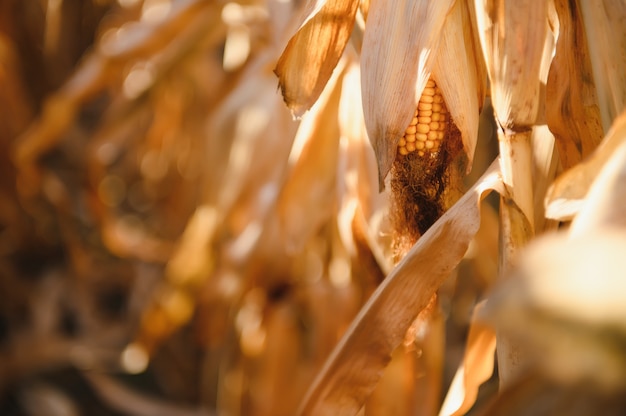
pixel 427 128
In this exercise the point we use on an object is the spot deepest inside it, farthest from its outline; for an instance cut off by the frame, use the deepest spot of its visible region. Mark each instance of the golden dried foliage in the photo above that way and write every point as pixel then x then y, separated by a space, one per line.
pixel 172 240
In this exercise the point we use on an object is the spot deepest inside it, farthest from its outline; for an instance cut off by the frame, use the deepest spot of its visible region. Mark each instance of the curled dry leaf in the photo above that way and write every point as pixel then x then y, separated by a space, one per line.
pixel 571 104
pixel 313 52
pixel 567 195
pixel 396 61
pixel 476 368
pixel 605 203
pixel 353 369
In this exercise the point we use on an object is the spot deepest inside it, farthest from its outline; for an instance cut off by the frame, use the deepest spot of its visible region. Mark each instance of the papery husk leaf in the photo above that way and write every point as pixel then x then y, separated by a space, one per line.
pixel 471 28
pixel 571 104
pixel 567 195
pixel 513 37
pixel 460 74
pixel 396 62
pixel 312 54
pixel 606 32
pixel 361 206
pixel 475 369
pixel 353 369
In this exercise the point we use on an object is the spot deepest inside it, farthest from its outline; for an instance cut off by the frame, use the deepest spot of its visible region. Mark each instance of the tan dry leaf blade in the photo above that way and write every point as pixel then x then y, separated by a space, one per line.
pixel 355 366
pixel 395 65
pixel 605 23
pixel 567 195
pixel 513 36
pixel 571 104
pixel 476 368
pixel 312 53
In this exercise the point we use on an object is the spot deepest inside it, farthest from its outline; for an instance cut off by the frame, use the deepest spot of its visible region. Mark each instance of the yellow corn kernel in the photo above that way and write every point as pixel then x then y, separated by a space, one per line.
pixel 424 106
pixel 427 128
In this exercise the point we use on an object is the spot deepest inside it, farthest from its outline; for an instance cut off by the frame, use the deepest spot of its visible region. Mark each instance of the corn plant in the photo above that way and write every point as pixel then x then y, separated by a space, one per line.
pixel 321 207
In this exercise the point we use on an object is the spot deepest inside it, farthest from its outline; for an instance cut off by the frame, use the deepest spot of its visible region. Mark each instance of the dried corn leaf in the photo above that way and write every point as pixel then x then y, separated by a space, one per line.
pixel 476 368
pixel 312 53
pixel 513 37
pixel 567 195
pixel 605 25
pixel 352 371
pixel 396 62
pixel 571 105
pixel 307 197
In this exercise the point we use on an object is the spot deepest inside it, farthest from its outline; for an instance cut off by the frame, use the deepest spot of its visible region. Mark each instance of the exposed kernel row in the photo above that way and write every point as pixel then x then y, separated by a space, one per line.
pixel 427 128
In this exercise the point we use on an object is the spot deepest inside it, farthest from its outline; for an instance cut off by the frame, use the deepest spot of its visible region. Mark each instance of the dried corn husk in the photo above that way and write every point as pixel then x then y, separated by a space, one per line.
pixel 398 47
pixel 460 73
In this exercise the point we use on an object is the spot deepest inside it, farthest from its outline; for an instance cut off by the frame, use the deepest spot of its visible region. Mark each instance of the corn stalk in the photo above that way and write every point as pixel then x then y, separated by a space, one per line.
pixel 513 39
